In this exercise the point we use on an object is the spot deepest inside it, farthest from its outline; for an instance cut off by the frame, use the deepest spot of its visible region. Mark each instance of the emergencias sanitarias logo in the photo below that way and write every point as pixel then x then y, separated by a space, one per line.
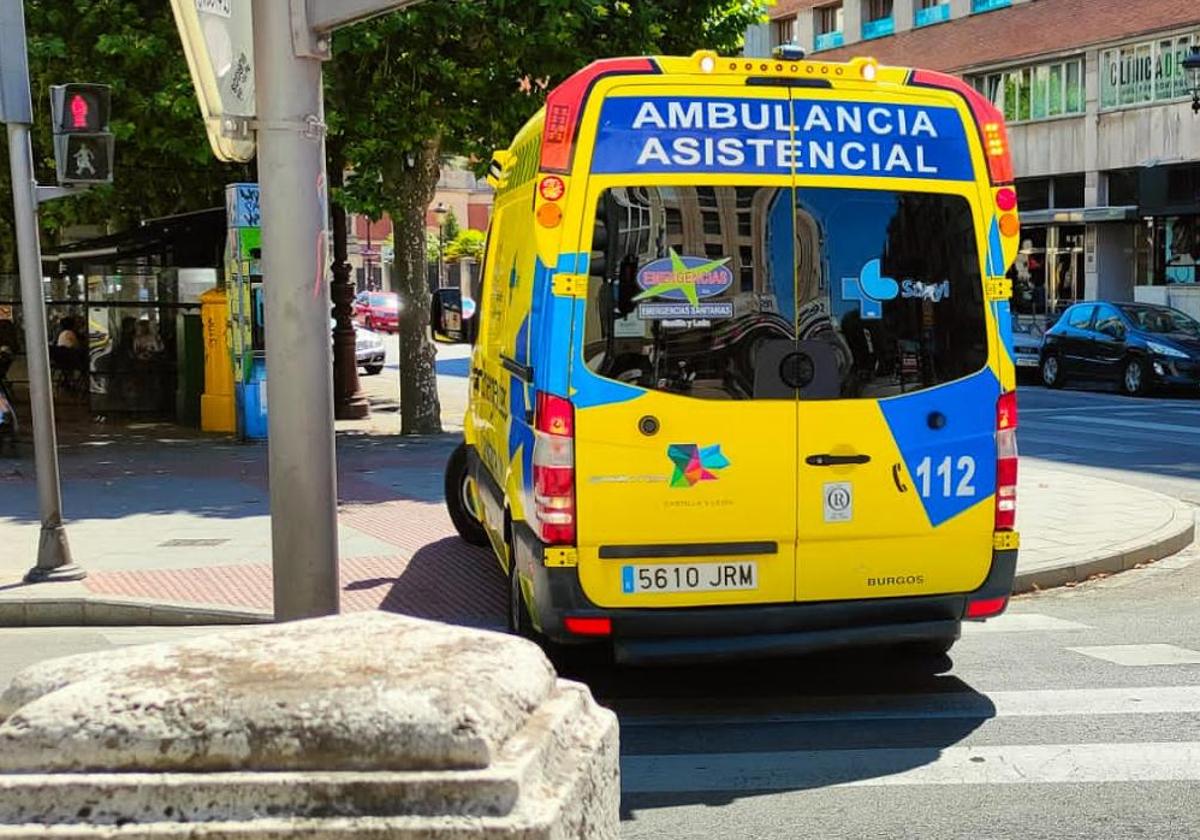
pixel 678 285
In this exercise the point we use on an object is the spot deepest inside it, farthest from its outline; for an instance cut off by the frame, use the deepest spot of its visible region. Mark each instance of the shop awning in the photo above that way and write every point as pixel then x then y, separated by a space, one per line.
pixel 1079 215
pixel 192 239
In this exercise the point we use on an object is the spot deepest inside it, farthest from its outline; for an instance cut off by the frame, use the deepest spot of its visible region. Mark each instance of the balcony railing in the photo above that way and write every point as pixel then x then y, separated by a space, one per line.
pixel 828 40
pixel 988 5
pixel 880 28
pixel 933 14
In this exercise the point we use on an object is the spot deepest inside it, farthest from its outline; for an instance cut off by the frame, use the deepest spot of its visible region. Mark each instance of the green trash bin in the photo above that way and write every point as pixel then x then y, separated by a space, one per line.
pixel 189 385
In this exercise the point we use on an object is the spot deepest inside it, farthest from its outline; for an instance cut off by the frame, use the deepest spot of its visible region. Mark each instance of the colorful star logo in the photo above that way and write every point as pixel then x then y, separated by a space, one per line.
pixel 683 278
pixel 694 463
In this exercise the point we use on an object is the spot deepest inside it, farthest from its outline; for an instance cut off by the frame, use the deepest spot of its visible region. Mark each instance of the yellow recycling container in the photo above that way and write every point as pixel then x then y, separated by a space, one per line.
pixel 217 408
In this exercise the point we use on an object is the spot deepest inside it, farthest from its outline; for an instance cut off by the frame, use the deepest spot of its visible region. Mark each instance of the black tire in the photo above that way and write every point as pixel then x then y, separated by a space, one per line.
pixel 468 527
pixel 1052 377
pixel 373 370
pixel 1134 377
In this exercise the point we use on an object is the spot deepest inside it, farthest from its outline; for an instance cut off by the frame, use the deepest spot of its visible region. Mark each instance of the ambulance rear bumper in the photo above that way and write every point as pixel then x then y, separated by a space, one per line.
pixel 693 634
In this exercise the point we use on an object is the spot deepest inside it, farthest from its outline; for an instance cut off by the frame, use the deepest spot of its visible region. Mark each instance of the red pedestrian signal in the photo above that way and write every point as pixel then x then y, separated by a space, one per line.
pixel 79 111
pixel 83 145
pixel 78 107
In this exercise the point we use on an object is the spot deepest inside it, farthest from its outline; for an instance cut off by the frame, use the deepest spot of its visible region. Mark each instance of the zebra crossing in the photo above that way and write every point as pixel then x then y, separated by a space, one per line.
pixel 1055 720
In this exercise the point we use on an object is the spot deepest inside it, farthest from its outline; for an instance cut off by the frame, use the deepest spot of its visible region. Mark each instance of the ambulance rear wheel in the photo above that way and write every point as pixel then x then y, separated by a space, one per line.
pixel 459 499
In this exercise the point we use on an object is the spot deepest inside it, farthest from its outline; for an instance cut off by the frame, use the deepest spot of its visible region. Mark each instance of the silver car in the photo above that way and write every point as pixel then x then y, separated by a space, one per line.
pixel 368 349
pixel 1027 344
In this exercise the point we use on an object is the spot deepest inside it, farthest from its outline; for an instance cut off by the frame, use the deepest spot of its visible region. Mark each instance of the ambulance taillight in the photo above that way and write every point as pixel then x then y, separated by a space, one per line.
pixel 553 514
pixel 1006 462
pixel 988 119
pixel 564 108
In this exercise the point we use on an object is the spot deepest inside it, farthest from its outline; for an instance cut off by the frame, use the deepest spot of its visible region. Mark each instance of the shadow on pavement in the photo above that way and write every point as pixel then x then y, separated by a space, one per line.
pixel 112 474
pixel 447 580
pixel 842 717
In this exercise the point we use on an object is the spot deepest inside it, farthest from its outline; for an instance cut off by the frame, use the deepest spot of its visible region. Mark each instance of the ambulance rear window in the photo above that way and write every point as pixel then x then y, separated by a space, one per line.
pixel 760 292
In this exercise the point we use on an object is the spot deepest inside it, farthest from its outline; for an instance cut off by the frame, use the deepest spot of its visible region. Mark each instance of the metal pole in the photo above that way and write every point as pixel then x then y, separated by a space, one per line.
pixel 54 553
pixel 291 167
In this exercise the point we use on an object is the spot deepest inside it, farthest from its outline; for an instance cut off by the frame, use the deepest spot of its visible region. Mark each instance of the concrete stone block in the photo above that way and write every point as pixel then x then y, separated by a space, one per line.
pixel 365 725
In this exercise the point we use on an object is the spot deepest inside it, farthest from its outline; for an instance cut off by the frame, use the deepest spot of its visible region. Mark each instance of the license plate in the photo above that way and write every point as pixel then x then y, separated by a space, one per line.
pixel 689 577
pixel 1026 362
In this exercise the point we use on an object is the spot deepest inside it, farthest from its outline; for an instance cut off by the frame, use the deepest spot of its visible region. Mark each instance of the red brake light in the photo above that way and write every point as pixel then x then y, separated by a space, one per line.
pixel 1006 462
pixel 554 416
pixel 986 607
pixel 564 107
pixel 988 119
pixel 580 626
pixel 553 509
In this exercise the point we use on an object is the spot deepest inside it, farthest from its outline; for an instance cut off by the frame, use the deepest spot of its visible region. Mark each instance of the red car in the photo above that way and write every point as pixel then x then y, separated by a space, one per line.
pixel 378 311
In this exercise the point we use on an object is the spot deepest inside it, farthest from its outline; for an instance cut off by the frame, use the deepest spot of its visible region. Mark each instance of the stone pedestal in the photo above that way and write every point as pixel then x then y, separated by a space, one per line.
pixel 369 725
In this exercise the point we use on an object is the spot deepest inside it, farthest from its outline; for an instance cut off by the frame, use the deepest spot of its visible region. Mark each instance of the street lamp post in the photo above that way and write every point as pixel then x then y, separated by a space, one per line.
pixel 440 211
pixel 1191 66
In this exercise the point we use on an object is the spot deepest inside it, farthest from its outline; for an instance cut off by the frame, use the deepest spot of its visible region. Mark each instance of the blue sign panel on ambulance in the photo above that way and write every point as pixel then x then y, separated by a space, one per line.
pixel 671 134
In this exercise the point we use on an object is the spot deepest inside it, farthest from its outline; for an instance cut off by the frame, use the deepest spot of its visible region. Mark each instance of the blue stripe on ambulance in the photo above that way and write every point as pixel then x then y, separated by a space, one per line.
pixel 967 440
pixel 1000 310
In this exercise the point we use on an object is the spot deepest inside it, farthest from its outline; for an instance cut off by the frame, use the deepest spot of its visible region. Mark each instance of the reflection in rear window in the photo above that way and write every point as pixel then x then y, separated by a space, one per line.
pixel 770 292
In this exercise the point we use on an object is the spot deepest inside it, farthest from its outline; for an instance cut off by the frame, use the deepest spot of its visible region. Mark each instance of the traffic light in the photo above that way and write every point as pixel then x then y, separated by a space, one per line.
pixel 83 145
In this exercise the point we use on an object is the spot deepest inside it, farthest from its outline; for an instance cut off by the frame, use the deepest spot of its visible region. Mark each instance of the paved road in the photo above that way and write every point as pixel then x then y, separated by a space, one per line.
pixel 1149 442
pixel 1077 715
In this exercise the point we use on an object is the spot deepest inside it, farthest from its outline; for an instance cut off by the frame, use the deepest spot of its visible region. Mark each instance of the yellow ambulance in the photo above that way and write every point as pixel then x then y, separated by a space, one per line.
pixel 742 380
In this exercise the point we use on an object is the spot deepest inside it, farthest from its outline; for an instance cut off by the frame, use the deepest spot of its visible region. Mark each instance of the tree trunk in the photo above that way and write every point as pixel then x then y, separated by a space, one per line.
pixel 411 188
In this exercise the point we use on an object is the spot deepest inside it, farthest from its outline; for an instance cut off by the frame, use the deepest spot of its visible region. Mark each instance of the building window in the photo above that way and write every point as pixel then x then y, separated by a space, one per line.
pixel 929 12
pixel 1152 71
pixel 783 31
pixel 827 24
pixel 1068 190
pixel 1036 93
pixel 978 6
pixel 877 19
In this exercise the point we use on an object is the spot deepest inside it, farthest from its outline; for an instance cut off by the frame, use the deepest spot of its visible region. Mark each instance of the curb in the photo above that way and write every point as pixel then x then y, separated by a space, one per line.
pixel 83 611
pixel 1169 539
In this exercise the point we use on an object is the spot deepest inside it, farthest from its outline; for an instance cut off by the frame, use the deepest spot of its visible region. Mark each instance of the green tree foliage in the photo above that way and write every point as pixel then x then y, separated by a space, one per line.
pixel 445 78
pixel 451 228
pixel 163 164
pixel 468 244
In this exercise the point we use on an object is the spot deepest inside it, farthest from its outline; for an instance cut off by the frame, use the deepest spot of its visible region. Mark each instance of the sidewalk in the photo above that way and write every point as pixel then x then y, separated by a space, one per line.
pixel 176 530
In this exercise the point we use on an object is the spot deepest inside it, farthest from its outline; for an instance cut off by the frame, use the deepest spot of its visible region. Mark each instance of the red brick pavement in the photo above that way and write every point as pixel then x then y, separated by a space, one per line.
pixel 435 575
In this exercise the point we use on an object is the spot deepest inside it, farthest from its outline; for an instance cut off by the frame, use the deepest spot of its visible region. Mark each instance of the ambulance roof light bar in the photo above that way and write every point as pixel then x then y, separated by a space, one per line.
pixel 789 52
pixel 565 104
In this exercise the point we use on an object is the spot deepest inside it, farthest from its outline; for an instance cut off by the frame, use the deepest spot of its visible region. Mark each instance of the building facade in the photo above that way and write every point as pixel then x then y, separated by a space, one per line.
pixel 1105 144
pixel 371 245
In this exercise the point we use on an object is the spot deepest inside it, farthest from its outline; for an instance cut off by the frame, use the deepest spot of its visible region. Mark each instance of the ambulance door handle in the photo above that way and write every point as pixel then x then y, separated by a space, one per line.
pixel 825 460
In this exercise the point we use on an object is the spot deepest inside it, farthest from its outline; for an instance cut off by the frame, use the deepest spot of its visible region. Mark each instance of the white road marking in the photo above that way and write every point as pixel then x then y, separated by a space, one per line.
pixel 983 765
pixel 1140 425
pixel 1183 699
pixel 1140 655
pixel 1021 623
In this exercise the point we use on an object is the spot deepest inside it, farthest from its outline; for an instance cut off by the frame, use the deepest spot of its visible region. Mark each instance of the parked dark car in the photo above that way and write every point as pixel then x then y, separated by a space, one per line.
pixel 1139 346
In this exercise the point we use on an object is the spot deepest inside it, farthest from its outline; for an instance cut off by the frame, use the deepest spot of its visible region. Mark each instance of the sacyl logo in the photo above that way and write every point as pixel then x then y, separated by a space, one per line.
pixel 933 292
pixel 870 288
pixel 902 580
